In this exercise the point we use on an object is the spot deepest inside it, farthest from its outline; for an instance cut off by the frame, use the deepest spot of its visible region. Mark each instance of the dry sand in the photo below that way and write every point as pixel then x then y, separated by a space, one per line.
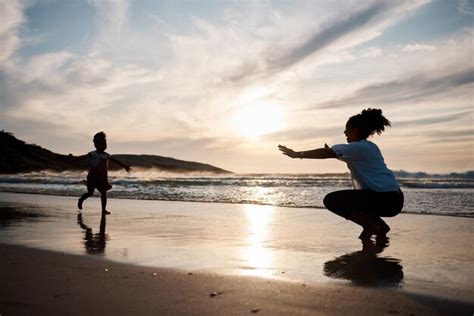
pixel 41 282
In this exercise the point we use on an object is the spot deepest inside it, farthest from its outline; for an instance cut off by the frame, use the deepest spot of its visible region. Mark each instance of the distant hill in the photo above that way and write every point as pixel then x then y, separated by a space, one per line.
pixel 17 156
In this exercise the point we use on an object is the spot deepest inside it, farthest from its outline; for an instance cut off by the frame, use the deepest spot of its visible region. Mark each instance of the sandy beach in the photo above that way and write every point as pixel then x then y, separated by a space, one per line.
pixel 153 257
pixel 48 283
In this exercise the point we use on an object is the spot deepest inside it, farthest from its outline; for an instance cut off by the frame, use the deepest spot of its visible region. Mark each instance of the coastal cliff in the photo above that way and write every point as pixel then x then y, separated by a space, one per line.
pixel 18 156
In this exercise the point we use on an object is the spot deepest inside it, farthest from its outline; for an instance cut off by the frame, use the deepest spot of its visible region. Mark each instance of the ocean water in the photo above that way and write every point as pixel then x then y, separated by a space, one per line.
pixel 450 195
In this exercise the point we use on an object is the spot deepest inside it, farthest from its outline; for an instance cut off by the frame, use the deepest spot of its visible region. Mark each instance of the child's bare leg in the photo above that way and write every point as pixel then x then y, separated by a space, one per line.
pixel 83 197
pixel 103 200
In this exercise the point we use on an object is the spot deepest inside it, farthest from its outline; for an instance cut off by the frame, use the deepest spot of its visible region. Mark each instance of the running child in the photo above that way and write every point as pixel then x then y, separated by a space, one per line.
pixel 97 177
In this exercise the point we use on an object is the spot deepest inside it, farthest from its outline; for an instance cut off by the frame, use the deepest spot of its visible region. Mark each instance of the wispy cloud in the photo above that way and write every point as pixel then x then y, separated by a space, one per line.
pixel 418 47
pixel 114 17
pixel 11 19
pixel 372 52
pixel 466 7
pixel 307 133
pixel 432 120
pixel 406 90
pixel 461 134
pixel 349 30
pixel 328 35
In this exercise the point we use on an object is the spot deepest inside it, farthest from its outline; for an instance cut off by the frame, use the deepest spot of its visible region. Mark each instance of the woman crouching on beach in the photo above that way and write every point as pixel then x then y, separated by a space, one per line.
pixel 376 192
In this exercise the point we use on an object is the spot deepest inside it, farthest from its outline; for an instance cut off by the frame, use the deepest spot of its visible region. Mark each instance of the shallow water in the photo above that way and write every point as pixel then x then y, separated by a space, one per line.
pixel 427 195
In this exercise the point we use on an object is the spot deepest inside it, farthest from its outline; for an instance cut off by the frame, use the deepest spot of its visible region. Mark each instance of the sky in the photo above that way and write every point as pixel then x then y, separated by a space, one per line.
pixel 225 82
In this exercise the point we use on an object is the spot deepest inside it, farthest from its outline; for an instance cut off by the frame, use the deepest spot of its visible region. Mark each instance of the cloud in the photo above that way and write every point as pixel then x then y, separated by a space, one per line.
pixel 111 36
pixel 84 92
pixel 328 35
pixel 410 89
pixel 372 52
pixel 11 19
pixel 349 30
pixel 460 134
pixel 466 7
pixel 169 143
pixel 409 48
pixel 446 137
pixel 299 134
pixel 456 141
pixel 113 17
pixel 432 120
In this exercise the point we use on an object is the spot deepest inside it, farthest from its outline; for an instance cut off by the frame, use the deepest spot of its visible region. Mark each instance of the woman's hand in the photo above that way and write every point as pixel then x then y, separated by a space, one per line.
pixel 128 169
pixel 288 152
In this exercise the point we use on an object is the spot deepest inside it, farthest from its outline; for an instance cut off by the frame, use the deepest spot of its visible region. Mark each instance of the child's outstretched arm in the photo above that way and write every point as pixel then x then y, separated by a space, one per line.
pixel 320 153
pixel 121 164
pixel 79 158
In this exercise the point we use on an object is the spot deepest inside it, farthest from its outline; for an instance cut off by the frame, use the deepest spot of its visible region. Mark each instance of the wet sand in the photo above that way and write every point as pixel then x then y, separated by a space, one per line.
pixel 47 283
pixel 278 260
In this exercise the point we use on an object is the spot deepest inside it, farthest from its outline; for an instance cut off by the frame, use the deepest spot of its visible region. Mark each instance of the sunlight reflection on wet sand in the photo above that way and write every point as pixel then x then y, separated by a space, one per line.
pixel 259 258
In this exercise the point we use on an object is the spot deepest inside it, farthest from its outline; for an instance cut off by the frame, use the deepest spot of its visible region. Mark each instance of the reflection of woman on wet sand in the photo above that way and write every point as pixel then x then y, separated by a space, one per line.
pixel 376 192
pixel 94 243
pixel 365 268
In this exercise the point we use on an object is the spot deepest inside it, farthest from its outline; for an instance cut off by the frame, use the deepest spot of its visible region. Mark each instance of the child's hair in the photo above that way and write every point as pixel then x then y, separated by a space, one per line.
pixel 100 136
pixel 369 122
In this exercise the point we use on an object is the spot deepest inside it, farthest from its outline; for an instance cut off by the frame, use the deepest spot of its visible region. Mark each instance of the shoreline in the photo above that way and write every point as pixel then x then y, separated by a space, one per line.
pixel 97 196
pixel 56 283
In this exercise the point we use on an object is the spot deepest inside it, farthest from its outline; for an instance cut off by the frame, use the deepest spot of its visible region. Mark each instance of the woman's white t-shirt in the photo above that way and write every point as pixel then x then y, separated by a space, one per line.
pixel 367 166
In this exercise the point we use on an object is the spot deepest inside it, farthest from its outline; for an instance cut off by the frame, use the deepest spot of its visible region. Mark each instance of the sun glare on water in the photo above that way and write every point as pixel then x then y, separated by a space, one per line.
pixel 258 119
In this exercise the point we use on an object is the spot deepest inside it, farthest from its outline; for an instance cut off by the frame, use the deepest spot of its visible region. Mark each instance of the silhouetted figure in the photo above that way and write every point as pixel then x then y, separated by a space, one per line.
pixel 94 243
pixel 365 267
pixel 376 192
pixel 97 177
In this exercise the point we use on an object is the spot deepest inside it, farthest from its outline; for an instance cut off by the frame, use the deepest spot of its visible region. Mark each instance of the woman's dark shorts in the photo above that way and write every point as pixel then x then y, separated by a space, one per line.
pixel 383 204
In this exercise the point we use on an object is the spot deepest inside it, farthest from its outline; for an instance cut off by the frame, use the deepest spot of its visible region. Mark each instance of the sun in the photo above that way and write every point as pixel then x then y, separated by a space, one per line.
pixel 255 120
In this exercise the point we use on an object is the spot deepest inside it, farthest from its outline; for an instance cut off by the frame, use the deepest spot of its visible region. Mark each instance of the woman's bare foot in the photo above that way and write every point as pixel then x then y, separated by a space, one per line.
pixel 365 235
pixel 383 230
pixel 369 223
pixel 369 231
pixel 79 203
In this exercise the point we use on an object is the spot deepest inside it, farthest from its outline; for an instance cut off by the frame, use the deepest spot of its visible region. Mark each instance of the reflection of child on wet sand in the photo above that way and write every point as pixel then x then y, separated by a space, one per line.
pixel 94 243
pixel 97 176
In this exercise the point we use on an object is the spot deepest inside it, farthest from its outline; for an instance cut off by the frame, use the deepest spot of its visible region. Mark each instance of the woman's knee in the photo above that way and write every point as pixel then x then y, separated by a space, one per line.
pixel 391 212
pixel 330 201
pixel 336 203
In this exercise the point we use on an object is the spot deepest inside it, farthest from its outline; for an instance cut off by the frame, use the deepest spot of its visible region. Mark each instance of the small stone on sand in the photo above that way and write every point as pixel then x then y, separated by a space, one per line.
pixel 214 294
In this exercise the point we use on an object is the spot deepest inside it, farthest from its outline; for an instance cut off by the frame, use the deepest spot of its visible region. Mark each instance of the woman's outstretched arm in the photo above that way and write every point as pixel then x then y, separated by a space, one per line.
pixel 319 153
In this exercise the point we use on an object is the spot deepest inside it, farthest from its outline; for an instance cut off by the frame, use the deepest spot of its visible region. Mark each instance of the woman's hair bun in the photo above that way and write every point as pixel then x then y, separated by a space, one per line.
pixel 369 122
pixel 372 112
